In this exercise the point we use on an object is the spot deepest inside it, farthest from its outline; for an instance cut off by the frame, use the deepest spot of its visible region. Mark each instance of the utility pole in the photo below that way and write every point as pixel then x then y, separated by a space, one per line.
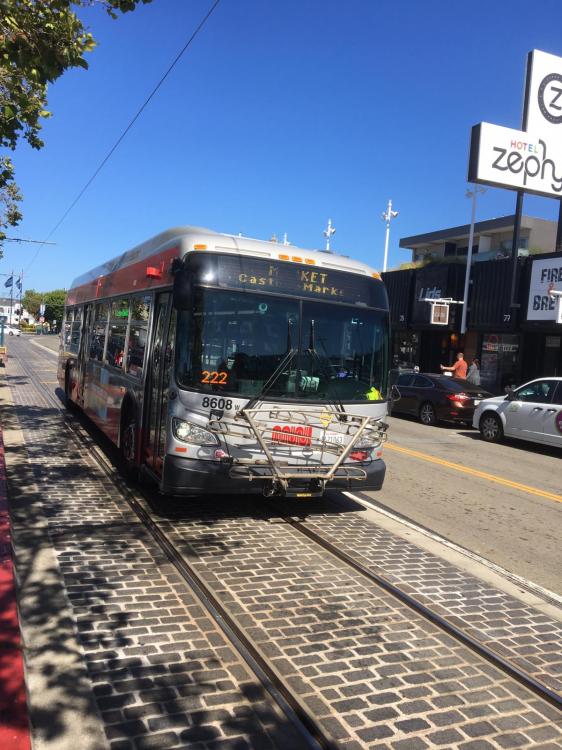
pixel 328 232
pixel 387 216
pixel 469 194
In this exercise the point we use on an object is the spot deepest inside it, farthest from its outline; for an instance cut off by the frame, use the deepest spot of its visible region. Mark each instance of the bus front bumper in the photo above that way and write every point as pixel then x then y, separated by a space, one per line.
pixel 188 476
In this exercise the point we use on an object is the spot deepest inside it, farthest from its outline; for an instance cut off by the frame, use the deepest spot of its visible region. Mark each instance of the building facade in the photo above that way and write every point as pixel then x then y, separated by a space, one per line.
pixel 492 240
pixel 12 313
pixel 511 319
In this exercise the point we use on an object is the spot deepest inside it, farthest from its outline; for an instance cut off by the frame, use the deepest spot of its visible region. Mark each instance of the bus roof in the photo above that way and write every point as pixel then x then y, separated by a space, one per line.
pixel 148 265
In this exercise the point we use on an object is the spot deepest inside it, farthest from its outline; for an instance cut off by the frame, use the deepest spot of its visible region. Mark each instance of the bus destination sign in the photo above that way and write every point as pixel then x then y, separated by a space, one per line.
pixel 282 277
pixel 315 282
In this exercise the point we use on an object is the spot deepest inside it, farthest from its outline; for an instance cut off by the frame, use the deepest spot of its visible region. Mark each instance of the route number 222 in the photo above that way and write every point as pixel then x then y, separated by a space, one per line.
pixel 214 377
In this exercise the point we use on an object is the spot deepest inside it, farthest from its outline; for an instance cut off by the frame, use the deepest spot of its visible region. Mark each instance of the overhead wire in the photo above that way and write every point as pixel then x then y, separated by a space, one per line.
pixel 126 130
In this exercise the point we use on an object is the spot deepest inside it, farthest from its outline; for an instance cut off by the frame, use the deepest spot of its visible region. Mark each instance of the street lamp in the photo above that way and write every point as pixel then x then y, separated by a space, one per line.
pixel 469 194
pixel 328 232
pixel 387 216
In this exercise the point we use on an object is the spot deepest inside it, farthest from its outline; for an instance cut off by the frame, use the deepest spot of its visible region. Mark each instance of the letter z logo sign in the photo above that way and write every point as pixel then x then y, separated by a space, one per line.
pixel 550 98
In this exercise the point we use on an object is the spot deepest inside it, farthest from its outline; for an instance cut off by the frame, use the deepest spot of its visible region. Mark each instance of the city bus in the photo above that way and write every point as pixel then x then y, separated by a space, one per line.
pixel 222 364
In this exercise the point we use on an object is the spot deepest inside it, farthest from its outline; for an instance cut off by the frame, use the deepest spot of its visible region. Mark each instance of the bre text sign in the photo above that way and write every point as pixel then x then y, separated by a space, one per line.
pixel 546 275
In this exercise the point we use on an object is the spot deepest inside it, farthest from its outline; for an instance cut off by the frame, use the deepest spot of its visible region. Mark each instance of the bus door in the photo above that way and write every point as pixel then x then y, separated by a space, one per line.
pixel 160 372
pixel 84 352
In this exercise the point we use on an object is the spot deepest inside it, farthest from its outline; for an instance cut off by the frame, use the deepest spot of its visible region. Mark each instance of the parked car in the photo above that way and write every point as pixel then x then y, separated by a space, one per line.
pixel 11 331
pixel 531 412
pixel 432 397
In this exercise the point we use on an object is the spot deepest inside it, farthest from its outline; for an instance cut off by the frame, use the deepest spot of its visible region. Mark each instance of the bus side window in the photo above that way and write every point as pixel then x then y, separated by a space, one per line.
pixel 138 334
pixel 74 333
pixel 97 342
pixel 117 332
pixel 67 329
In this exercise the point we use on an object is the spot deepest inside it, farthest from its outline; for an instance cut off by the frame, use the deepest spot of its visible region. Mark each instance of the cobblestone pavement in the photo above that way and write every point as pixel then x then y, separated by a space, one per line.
pixel 373 673
pixel 162 673
pixel 529 639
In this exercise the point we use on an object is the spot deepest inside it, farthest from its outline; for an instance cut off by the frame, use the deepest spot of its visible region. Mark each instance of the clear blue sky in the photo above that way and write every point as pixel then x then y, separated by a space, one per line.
pixel 280 115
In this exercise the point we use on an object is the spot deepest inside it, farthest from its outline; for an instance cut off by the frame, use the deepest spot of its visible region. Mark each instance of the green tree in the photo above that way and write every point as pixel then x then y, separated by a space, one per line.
pixel 54 305
pixel 39 41
pixel 31 301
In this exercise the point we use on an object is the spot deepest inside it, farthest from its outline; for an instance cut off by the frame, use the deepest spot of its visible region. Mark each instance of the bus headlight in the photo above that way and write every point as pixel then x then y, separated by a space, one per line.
pixel 366 442
pixel 188 432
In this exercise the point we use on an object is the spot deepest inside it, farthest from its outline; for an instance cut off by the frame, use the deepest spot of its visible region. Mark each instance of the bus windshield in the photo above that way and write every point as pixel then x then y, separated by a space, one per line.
pixel 240 343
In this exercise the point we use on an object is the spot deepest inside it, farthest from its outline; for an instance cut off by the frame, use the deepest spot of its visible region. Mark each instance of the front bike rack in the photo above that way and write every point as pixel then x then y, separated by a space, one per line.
pixel 324 434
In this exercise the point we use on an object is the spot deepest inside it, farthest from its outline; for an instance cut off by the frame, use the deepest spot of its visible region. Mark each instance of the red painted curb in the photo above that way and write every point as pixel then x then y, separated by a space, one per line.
pixel 14 720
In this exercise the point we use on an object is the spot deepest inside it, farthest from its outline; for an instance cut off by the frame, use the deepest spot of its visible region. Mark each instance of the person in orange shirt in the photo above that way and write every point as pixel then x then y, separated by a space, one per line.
pixel 459 369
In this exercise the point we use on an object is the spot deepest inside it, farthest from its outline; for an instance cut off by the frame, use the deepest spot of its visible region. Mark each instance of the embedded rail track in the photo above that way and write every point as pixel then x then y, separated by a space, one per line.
pixel 527 680
pixel 141 500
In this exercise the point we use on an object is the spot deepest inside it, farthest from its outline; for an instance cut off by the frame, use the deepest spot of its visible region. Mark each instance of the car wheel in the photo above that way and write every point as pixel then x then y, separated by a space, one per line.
pixel 491 427
pixel 427 414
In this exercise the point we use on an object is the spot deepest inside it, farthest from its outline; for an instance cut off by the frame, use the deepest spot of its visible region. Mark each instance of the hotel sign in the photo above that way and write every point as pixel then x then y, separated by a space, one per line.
pixel 515 160
pixel 528 160
pixel 543 94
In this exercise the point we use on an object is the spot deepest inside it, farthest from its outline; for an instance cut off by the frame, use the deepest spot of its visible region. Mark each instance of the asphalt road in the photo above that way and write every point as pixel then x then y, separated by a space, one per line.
pixel 518 528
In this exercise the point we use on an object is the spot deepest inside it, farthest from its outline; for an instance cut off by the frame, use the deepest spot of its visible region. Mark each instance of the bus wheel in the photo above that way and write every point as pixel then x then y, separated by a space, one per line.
pixel 128 443
pixel 69 403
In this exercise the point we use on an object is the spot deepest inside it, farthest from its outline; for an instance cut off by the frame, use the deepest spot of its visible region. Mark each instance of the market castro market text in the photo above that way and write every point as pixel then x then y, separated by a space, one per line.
pixel 317 282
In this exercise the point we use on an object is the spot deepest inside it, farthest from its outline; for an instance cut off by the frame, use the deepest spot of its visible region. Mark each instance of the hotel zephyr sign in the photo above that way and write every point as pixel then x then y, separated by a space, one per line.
pixel 530 159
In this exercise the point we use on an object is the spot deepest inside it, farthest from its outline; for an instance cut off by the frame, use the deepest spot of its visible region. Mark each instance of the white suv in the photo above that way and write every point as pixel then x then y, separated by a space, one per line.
pixel 531 412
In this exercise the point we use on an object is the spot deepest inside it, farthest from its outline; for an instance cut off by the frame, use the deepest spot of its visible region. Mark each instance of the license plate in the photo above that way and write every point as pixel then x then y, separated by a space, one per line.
pixel 476 401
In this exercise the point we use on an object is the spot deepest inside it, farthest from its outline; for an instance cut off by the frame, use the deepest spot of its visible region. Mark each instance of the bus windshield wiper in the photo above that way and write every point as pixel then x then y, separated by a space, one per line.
pixel 285 362
pixel 322 366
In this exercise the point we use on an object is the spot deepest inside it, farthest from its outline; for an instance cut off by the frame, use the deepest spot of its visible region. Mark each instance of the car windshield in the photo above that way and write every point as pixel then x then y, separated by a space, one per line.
pixel 242 343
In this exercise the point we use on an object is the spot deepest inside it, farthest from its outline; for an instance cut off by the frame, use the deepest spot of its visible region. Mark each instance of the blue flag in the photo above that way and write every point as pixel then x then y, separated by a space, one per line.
pixel 18 283
pixel 10 281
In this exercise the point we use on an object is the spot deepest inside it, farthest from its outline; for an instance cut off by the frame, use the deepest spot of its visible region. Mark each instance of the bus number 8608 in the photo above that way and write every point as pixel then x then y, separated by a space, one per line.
pixel 217 403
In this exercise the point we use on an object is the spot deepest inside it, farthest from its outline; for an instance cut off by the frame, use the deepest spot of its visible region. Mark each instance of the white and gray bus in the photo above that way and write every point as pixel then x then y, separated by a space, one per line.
pixel 223 364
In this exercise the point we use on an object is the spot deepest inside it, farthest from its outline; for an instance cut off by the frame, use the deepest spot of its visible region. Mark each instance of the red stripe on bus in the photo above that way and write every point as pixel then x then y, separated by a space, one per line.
pixel 127 280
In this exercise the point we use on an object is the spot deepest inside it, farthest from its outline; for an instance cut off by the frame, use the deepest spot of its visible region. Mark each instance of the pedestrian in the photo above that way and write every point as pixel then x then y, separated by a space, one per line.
pixel 473 375
pixel 459 369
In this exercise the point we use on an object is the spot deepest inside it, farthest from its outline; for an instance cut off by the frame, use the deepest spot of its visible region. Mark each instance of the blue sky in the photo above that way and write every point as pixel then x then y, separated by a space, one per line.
pixel 279 116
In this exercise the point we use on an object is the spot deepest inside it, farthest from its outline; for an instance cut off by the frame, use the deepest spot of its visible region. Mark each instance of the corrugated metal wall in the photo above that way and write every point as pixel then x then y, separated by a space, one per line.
pixel 400 288
pixel 490 296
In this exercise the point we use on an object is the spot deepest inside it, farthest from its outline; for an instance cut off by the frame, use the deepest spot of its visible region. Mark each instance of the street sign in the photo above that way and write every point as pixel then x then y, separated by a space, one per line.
pixel 439 314
pixel 42 308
